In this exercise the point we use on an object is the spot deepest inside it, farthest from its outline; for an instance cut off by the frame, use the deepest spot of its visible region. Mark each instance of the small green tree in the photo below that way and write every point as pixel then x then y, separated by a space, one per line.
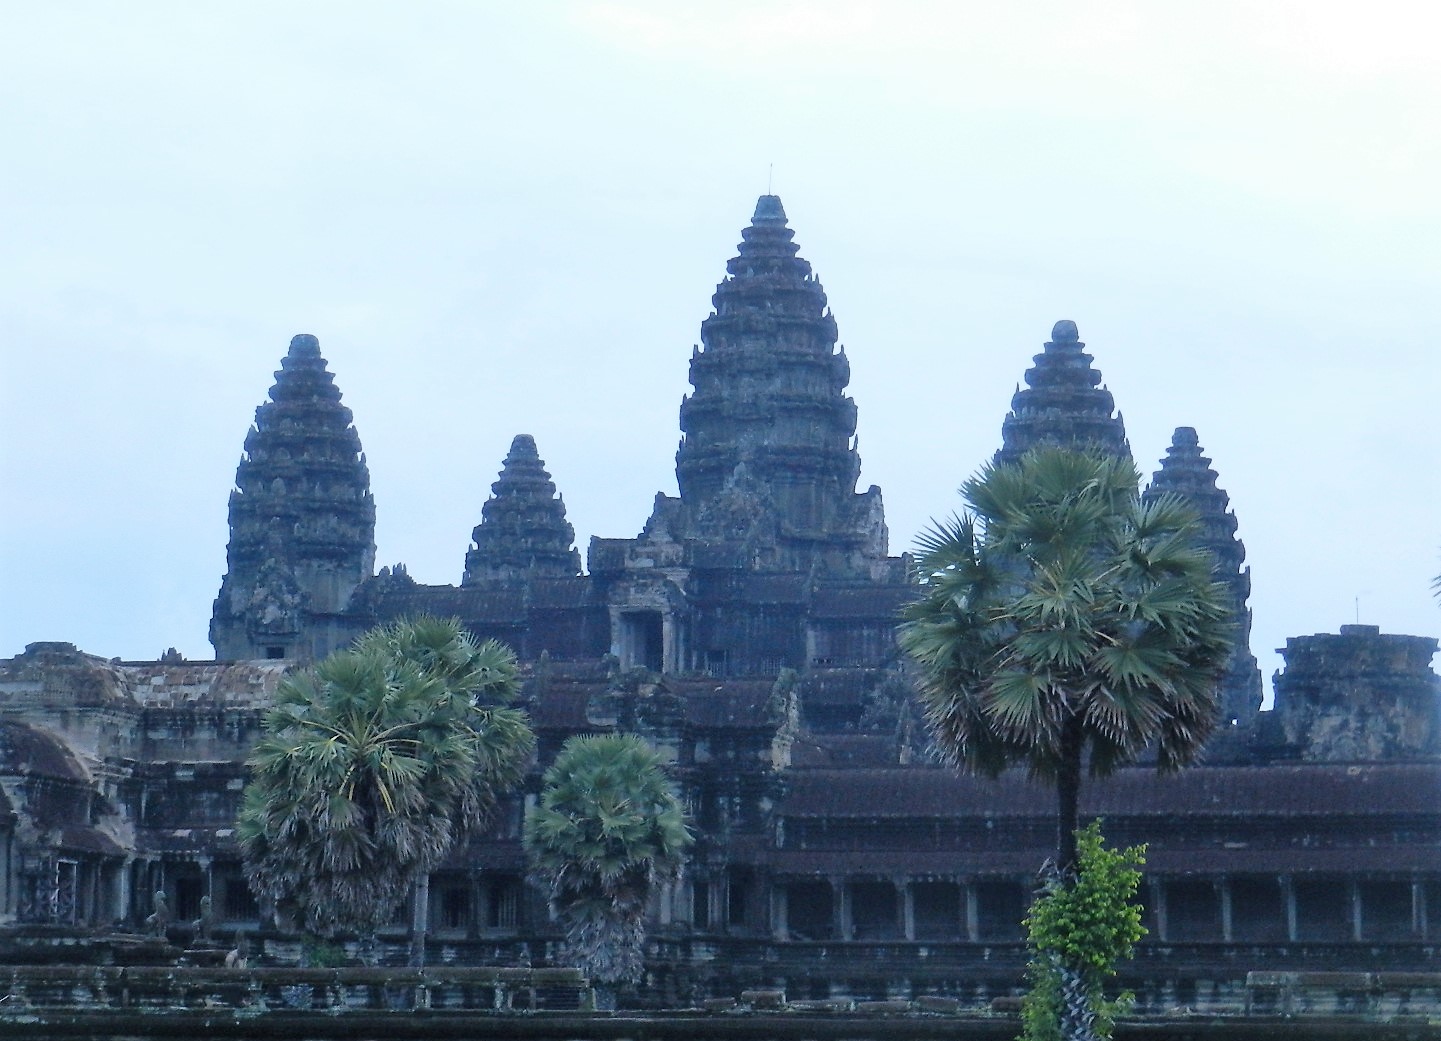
pixel 609 828
pixel 1077 933
pixel 372 765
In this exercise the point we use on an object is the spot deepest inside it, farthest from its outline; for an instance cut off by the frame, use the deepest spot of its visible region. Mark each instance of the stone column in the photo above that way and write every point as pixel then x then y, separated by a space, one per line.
pixel 1418 909
pixel 1288 896
pixel 780 911
pixel 1223 887
pixel 841 895
pixel 123 911
pixel 972 910
pixel 669 651
pixel 1357 918
pixel 479 907
pixel 905 907
pixel 717 901
pixel 1158 906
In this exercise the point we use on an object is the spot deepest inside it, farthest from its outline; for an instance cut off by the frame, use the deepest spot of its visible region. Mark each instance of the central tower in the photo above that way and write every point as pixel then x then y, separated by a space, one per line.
pixel 769 558
pixel 768 454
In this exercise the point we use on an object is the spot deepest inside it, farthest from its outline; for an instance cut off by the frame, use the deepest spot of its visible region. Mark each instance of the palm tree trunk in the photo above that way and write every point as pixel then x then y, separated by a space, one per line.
pixel 1068 795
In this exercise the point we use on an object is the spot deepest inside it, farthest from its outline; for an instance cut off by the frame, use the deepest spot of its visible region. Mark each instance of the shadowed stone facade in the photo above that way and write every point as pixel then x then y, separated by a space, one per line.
pixel 748 633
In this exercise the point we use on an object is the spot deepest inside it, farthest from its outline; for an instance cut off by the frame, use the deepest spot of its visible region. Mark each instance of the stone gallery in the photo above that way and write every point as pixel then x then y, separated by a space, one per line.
pixel 748 632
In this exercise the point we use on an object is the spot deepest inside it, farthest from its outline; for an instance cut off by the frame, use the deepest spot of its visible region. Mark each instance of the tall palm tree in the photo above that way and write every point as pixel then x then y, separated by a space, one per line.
pixel 372 765
pixel 609 828
pixel 1063 623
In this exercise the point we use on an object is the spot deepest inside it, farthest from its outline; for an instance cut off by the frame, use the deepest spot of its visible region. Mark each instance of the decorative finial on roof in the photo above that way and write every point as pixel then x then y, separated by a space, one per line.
pixel 1065 331
pixel 304 343
pixel 522 446
pixel 1185 437
pixel 769 210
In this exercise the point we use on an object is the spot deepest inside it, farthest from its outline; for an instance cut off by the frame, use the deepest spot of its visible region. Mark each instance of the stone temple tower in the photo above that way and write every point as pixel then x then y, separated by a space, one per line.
pixel 1187 473
pixel 302 521
pixel 769 454
pixel 523 531
pixel 1063 403
pixel 769 557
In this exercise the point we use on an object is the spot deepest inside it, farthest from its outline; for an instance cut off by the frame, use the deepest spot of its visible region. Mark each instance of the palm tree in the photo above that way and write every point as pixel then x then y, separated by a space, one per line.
pixel 1064 622
pixel 609 828
pixel 371 766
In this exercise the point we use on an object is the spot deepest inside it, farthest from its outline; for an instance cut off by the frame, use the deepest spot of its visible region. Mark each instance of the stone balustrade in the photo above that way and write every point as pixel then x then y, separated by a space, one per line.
pixel 31 988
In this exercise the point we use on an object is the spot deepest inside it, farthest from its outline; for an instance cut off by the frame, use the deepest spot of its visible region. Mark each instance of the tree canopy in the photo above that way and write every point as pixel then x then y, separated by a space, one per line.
pixel 372 765
pixel 609 828
pixel 1063 621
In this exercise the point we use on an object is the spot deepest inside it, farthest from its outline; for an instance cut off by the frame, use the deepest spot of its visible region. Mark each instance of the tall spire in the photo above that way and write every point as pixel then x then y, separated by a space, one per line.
pixel 302 519
pixel 1186 473
pixel 1063 403
pixel 523 531
pixel 769 422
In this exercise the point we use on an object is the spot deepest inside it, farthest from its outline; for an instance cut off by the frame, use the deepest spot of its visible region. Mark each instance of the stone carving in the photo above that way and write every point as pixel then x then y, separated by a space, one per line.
pixel 158 921
pixel 204 926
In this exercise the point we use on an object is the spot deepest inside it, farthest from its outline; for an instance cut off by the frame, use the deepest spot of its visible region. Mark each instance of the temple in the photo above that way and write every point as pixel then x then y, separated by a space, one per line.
pixel 748 632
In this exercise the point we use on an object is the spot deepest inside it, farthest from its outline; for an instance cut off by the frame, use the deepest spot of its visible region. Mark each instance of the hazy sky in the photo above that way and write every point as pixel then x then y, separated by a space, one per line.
pixel 507 218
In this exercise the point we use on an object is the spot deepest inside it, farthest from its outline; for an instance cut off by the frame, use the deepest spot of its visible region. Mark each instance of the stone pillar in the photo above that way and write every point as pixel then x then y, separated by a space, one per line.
pixel 717 900
pixel 1223 887
pixel 905 907
pixel 841 895
pixel 1418 909
pixel 1288 896
pixel 667 898
pixel 479 906
pixel 1357 917
pixel 1158 906
pixel 419 920
pixel 123 911
pixel 685 901
pixel 780 911
pixel 669 651
pixel 972 911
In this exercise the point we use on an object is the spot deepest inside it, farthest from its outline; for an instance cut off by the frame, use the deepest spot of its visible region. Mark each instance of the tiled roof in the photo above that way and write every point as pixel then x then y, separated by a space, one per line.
pixel 869 601
pixel 31 751
pixel 1313 789
pixel 1024 862
pixel 853 750
pixel 557 593
pixel 486 603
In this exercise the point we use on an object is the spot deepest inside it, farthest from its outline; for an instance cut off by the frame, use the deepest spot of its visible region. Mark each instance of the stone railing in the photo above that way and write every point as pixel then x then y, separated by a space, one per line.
pixel 1383 995
pixel 32 988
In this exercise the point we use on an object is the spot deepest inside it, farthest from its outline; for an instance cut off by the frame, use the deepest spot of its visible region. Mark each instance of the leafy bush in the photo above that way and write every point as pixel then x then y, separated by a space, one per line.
pixel 1078 929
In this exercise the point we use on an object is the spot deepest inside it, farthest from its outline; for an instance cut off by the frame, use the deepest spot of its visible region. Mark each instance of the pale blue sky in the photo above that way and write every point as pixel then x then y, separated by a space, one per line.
pixel 509 218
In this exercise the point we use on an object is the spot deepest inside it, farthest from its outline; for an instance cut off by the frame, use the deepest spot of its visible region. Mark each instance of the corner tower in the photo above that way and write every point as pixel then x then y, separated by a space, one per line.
pixel 523 531
pixel 302 521
pixel 1064 403
pixel 1186 473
